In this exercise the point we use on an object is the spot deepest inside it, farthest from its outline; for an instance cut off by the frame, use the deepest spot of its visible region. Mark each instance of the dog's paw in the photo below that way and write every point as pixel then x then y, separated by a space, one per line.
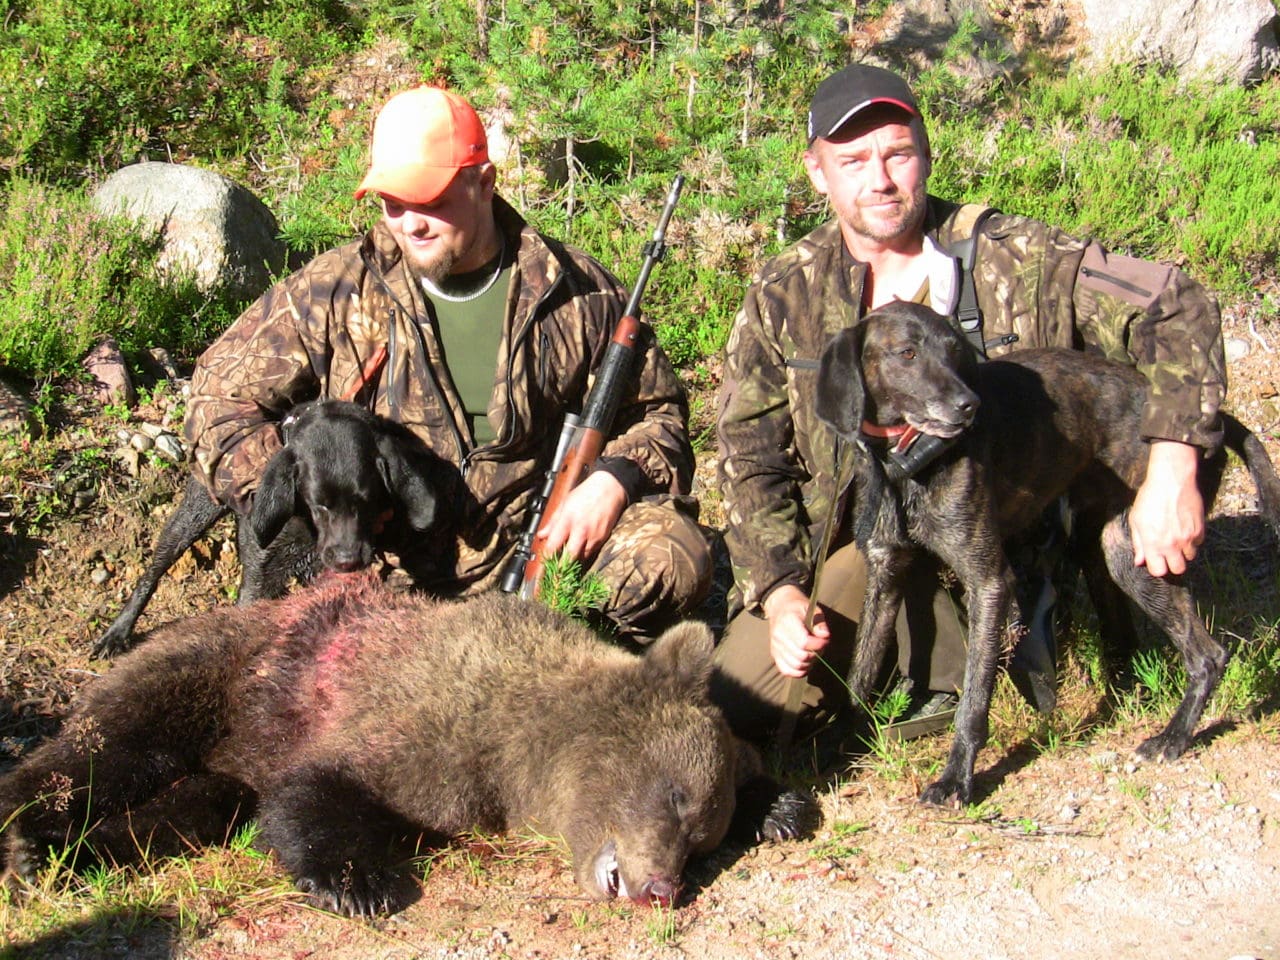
pixel 948 792
pixel 791 815
pixel 113 643
pixel 1164 747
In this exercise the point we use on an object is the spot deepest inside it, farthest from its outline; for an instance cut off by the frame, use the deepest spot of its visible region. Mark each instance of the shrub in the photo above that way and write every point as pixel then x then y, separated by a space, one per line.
pixel 70 277
pixel 93 86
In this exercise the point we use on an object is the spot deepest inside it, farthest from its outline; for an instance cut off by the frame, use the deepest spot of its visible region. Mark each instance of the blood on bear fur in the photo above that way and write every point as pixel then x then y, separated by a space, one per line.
pixel 359 725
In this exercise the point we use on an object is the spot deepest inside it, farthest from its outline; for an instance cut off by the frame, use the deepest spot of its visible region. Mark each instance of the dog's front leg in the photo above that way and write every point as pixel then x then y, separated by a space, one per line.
pixel 876 630
pixel 988 604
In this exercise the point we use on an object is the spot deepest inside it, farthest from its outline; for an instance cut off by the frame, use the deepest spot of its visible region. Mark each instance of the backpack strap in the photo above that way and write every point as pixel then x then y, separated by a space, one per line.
pixel 967 314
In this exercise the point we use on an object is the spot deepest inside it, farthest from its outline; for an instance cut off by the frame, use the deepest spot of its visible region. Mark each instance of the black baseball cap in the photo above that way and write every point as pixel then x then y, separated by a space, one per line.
pixel 850 91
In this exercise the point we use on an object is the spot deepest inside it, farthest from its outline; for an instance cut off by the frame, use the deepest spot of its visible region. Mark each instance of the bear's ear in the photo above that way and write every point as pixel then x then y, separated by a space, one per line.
pixel 682 655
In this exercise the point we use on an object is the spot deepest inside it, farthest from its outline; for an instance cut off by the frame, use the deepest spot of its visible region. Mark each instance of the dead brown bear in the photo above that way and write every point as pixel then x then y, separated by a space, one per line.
pixel 359 724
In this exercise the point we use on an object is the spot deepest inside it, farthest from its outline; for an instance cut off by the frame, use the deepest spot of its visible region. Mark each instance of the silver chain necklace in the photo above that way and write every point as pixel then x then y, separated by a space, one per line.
pixel 435 291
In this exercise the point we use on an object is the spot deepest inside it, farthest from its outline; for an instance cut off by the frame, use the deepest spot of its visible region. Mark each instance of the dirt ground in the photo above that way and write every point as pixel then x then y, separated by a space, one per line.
pixel 1074 851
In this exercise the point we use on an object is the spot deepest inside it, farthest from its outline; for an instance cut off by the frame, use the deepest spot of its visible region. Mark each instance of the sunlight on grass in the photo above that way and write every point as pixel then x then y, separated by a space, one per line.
pixel 185 893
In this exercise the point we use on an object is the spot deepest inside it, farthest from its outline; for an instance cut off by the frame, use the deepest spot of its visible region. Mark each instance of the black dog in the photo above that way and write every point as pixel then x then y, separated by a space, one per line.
pixel 1041 424
pixel 323 503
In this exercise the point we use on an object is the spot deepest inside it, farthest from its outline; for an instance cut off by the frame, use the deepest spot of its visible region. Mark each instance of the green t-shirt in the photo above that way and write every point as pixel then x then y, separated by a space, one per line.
pixel 470 328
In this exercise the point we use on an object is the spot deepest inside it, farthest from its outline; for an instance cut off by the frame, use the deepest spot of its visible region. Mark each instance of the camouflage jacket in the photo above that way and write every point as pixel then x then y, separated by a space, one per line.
pixel 777 460
pixel 312 334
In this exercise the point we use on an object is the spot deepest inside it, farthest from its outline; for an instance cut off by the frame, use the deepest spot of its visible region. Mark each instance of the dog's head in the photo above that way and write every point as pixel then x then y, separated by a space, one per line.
pixel 902 364
pixel 349 472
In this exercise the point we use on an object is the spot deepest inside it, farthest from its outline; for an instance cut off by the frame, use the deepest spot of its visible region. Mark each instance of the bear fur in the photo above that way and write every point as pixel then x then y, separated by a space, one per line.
pixel 359 725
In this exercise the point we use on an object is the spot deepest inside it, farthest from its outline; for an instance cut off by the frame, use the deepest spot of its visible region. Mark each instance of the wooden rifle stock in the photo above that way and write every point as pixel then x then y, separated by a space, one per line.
pixel 583 437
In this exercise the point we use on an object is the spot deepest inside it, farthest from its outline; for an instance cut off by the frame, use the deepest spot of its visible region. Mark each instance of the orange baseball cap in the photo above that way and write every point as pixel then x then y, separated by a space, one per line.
pixel 421 139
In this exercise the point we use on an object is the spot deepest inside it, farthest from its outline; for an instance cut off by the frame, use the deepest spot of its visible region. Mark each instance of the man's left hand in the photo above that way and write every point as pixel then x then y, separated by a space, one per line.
pixel 585 518
pixel 1167 516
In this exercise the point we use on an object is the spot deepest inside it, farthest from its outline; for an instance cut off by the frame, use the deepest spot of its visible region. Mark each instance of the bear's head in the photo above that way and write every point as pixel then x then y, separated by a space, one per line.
pixel 655 779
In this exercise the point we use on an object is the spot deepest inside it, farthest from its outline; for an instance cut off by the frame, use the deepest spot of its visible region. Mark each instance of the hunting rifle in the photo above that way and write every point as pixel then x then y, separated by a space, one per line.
pixel 583 435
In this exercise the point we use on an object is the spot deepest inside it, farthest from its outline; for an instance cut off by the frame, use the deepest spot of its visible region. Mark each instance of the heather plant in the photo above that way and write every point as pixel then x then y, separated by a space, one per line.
pixel 89 87
pixel 599 104
pixel 70 277
pixel 1152 166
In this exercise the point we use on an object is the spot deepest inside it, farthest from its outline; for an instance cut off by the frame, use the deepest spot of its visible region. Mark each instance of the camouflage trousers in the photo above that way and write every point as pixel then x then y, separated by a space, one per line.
pixel 752 693
pixel 657 566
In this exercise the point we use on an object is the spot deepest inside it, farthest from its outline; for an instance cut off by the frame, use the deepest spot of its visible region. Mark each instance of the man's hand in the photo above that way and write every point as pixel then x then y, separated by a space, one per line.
pixel 585 518
pixel 793 647
pixel 1167 516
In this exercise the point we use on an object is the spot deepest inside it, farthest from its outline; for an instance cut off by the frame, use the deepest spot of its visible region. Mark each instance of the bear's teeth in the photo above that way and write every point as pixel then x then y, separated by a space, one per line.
pixel 606 870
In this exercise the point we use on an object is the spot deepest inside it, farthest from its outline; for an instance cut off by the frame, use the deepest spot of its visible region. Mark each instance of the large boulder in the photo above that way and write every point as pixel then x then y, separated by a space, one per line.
pixel 211 225
pixel 1231 40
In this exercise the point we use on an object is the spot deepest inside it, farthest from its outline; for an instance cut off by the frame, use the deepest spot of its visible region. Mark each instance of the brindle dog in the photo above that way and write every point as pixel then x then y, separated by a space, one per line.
pixel 1028 429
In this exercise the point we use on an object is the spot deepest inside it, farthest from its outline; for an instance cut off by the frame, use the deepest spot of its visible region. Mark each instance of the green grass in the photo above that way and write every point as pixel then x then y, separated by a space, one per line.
pixel 839 844
pixel 662 926
pixel 70 277
pixel 1151 167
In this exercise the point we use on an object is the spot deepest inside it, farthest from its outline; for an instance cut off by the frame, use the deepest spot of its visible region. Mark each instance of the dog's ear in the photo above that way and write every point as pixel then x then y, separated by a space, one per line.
pixel 841 395
pixel 405 484
pixel 277 497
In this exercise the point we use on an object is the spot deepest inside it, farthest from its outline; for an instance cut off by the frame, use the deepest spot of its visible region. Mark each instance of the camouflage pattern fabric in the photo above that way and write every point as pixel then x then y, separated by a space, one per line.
pixel 656 564
pixel 312 334
pixel 777 467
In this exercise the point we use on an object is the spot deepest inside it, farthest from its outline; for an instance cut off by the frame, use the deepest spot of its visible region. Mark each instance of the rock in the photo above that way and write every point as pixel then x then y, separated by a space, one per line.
pixel 171 448
pixel 159 356
pixel 1235 348
pixel 141 442
pixel 131 459
pixel 112 383
pixel 211 225
pixel 916 33
pixel 17 416
pixel 1216 40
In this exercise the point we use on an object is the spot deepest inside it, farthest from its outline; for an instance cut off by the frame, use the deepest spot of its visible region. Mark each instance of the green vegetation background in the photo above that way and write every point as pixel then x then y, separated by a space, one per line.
pixel 280 97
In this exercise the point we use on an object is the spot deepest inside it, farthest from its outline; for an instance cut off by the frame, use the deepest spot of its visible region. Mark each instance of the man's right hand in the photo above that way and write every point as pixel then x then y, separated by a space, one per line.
pixel 793 647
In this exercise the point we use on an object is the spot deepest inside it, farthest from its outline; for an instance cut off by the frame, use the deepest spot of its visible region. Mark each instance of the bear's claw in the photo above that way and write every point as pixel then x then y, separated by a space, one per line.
pixel 351 892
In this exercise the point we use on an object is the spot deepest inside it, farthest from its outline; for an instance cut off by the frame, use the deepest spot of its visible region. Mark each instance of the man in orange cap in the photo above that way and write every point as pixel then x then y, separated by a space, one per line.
pixel 490 333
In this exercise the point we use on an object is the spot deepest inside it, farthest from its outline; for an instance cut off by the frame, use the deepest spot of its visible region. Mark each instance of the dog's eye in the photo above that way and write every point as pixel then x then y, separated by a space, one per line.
pixel 907 354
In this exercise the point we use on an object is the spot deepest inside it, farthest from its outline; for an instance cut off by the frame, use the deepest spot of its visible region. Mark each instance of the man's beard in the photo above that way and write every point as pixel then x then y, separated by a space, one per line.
pixel 437 270
pixel 910 217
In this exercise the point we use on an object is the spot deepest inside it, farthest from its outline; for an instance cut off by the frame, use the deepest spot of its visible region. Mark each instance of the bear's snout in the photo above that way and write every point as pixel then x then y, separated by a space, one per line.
pixel 659 892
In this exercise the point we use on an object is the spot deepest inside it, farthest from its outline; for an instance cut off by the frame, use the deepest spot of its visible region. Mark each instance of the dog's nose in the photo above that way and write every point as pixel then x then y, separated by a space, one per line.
pixel 967 407
pixel 344 560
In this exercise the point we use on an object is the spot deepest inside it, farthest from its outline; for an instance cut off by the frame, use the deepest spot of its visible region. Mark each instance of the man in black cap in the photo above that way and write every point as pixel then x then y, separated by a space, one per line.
pixel 868 153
